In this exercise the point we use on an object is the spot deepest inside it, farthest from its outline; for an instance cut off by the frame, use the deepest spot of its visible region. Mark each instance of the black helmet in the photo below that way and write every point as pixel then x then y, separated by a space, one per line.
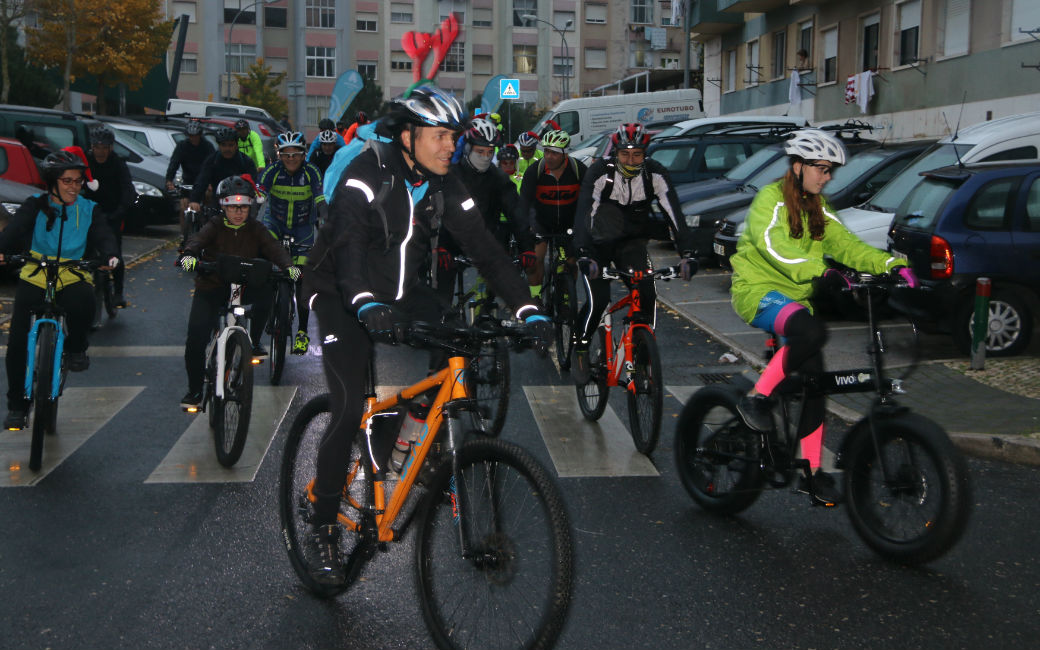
pixel 101 135
pixel 225 134
pixel 192 128
pixel 361 117
pixel 57 163
pixel 241 124
pixel 235 190
pixel 426 106
pixel 325 124
pixel 508 152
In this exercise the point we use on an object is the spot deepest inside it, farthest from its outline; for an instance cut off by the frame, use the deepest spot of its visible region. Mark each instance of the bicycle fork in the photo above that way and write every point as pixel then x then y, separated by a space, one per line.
pixel 59 346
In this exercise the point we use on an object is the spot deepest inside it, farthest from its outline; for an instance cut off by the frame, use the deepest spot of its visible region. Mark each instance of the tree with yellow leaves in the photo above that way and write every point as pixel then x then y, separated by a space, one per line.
pixel 118 42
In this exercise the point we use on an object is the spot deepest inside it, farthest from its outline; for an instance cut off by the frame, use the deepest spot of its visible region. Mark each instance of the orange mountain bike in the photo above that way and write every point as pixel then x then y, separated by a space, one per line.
pixel 632 362
pixel 493 553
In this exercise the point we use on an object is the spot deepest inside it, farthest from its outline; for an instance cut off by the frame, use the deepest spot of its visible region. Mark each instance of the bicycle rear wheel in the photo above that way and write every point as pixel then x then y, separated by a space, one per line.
pixel 921 511
pixel 45 408
pixel 279 326
pixel 512 588
pixel 716 455
pixel 487 381
pixel 592 395
pixel 646 392
pixel 231 424
pixel 563 317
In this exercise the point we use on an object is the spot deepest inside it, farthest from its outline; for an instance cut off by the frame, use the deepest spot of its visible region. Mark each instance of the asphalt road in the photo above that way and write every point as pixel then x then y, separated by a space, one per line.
pixel 96 556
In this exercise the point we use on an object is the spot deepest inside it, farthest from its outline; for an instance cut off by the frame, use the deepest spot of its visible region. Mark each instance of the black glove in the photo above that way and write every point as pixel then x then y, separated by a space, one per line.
pixel 588 267
pixel 541 327
pixel 687 266
pixel 831 282
pixel 378 320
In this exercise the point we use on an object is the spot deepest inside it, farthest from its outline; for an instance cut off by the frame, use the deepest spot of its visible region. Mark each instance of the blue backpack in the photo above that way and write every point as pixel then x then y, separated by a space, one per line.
pixel 364 136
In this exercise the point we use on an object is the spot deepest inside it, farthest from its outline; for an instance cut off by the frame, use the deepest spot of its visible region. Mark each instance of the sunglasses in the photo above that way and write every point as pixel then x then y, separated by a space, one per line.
pixel 290 156
pixel 824 169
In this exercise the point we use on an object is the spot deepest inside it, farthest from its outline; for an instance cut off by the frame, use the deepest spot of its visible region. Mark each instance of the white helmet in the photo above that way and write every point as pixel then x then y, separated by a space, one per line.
pixel 814 144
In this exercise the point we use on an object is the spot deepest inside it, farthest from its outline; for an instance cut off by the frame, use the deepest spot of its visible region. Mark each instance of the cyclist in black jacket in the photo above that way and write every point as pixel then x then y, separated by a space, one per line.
pixel 363 274
pixel 227 162
pixel 115 196
pixel 188 156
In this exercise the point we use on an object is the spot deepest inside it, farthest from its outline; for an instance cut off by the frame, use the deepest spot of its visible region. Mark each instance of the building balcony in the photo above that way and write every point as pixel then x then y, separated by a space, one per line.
pixel 750 6
pixel 707 20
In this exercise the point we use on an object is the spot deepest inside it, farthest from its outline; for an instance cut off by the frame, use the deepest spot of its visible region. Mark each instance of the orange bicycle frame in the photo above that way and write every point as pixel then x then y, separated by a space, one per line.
pixel 615 362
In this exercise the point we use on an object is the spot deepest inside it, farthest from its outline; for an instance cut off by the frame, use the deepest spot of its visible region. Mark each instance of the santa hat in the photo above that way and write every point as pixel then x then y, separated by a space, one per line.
pixel 92 184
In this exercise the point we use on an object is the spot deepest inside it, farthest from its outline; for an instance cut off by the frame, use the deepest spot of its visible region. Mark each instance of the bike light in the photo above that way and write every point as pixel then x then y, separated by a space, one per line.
pixel 192 409
pixel 941 258
pixel 239 311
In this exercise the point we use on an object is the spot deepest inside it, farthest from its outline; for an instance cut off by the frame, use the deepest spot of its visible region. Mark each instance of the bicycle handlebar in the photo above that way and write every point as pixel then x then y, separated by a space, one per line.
pixel 465 340
pixel 665 273
pixel 44 262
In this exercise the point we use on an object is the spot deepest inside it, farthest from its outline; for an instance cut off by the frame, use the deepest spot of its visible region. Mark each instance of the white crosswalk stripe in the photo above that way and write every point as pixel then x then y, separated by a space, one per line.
pixel 81 413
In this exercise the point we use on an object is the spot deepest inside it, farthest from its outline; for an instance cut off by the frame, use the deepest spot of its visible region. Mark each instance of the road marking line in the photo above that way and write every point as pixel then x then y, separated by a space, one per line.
pixel 124 351
pixel 683 393
pixel 579 447
pixel 82 412
pixel 193 460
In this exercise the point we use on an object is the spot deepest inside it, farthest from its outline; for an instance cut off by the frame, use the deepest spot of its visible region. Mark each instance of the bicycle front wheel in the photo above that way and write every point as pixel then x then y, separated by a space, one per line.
pixel 592 395
pixel 99 303
pixel 109 295
pixel 511 585
pixel 564 305
pixel 45 409
pixel 231 417
pixel 645 392
pixel 299 463
pixel 487 381
pixel 909 496
pixel 281 322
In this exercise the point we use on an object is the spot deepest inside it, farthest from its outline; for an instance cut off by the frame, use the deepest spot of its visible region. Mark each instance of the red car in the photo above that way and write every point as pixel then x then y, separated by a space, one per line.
pixel 17 164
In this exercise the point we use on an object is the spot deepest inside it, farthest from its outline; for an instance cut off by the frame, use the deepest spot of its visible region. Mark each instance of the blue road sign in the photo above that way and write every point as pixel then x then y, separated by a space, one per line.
pixel 509 88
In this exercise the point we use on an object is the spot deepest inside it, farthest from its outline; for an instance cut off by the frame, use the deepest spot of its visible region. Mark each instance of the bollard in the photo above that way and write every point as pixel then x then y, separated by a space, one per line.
pixel 980 332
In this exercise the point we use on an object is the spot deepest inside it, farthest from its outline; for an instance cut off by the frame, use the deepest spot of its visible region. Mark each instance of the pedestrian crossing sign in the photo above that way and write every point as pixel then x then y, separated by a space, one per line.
pixel 509 89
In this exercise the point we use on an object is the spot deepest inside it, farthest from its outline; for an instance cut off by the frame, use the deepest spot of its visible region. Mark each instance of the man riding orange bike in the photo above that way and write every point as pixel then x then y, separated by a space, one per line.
pixel 364 278
pixel 614 206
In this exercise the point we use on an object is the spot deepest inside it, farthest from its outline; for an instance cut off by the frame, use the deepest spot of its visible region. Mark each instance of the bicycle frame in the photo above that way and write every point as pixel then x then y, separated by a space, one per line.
pixel 59 347
pixel 232 324
pixel 619 356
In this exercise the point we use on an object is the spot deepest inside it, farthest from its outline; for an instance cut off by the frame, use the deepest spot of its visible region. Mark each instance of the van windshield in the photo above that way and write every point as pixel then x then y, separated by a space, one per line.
pixel 892 194
pixel 921 208
pixel 753 162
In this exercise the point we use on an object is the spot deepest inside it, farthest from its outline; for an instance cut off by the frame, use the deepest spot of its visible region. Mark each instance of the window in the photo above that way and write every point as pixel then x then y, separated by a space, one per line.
pixel 669 62
pixel 956 27
pixel 278 64
pixel 720 158
pixel 871 30
pixel 568 121
pixel 560 19
pixel 754 70
pixel 482 64
pixel 830 54
pixel 445 7
pixel 276 17
pixel 400 13
pixel 991 207
pixel 909 31
pixel 455 61
pixel 666 13
pixel 805 39
pixel 317 108
pixel 1033 207
pixel 523 8
pixel 638 56
pixel 482 18
pixel 189 64
pixel 400 61
pixel 595 59
pixel 779 54
pixel 233 12
pixel 321 61
pixel 596 14
pixel 180 8
pixel 321 13
pixel 525 59
pixel 368 69
pixel 240 56
pixel 563 66
pixel 365 23
pixel 1025 14
pixel 731 71
pixel 642 12
pixel 1027 152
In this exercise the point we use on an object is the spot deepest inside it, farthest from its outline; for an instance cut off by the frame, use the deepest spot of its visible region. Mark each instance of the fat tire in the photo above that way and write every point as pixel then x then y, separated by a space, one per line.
pixel 231 419
pixel 932 488
pixel 45 408
pixel 716 455
pixel 463 599
pixel 593 394
pixel 645 405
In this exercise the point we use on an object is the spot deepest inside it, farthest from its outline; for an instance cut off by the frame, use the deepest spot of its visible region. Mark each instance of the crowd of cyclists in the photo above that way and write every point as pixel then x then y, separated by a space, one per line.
pixel 429 183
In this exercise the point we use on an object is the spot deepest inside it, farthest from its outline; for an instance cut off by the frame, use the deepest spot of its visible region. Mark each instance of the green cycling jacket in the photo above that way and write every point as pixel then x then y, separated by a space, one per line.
pixel 769 259
pixel 253 148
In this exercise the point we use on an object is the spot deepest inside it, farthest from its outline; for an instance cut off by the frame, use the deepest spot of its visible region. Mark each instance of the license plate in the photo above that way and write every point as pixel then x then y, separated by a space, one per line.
pixel 718 248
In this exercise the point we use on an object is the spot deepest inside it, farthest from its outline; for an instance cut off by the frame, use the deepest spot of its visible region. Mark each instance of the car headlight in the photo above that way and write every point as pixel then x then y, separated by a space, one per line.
pixel 693 220
pixel 11 207
pixel 146 189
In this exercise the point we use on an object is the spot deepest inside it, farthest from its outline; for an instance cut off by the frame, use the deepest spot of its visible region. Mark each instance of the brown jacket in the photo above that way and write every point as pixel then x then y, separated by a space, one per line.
pixel 250 240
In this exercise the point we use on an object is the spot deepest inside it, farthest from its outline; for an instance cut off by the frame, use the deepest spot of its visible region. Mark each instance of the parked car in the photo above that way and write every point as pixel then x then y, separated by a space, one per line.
pixel 868 168
pixel 17 164
pixel 1011 138
pixel 965 222
pixel 12 195
pixel 709 155
pixel 708 124
pixel 592 148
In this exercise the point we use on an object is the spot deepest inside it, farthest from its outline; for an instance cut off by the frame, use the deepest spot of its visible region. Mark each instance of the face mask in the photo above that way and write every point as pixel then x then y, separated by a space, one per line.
pixel 479 162
pixel 629 171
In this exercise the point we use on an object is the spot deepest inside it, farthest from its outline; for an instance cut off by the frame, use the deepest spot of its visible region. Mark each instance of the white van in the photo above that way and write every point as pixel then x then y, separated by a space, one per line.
pixel 196 108
pixel 585 116
pixel 1010 138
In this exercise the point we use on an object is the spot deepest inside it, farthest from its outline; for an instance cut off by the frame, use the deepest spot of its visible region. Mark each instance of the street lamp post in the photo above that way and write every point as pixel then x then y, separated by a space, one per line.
pixel 227 46
pixel 566 50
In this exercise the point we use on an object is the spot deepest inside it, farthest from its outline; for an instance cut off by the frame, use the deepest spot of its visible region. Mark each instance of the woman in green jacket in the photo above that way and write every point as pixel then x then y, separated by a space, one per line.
pixel 779 265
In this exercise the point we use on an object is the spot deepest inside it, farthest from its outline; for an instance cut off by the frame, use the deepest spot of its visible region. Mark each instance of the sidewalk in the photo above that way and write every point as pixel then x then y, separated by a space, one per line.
pixel 993 413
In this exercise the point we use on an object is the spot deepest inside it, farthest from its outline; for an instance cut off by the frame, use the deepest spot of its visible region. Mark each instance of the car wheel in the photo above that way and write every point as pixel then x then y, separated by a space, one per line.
pixel 1010 325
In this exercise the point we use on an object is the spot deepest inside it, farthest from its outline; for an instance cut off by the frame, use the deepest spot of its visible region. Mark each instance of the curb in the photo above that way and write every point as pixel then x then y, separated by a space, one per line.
pixel 1022 450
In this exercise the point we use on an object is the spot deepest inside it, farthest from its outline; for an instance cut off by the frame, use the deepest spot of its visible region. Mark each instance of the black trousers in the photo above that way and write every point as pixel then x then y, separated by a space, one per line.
pixel 206 306
pixel 76 299
pixel 628 254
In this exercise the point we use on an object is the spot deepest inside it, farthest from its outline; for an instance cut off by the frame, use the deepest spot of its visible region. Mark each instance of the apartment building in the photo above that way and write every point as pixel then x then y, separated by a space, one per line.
pixel 933 63
pixel 570 47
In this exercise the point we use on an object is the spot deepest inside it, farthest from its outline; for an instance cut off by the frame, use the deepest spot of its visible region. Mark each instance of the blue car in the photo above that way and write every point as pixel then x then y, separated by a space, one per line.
pixel 970 221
